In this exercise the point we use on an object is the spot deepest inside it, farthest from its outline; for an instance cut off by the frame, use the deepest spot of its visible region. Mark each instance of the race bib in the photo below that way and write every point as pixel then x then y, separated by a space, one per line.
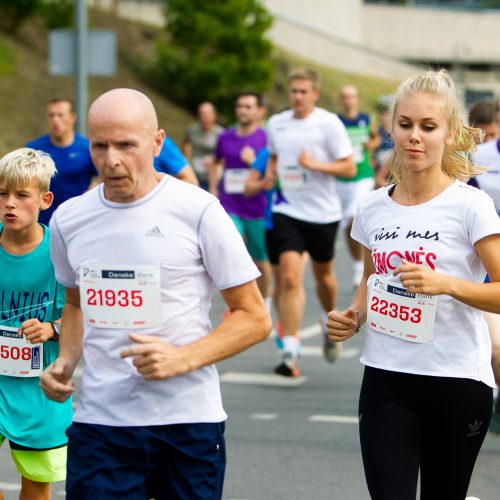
pixel 120 297
pixel 293 177
pixel 235 179
pixel 395 311
pixel 18 357
pixel 359 152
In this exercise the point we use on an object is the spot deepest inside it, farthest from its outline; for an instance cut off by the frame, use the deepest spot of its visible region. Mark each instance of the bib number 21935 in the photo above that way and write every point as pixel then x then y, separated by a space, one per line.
pixel 125 297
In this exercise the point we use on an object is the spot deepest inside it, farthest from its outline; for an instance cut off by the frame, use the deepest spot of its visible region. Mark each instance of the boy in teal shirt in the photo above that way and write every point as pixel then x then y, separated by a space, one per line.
pixel 30 305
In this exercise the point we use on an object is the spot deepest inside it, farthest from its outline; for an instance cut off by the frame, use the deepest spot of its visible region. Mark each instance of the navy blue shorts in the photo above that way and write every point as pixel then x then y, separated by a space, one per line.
pixel 174 462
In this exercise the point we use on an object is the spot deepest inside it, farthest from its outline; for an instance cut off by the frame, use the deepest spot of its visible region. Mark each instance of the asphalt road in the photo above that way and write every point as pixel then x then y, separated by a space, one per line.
pixel 296 439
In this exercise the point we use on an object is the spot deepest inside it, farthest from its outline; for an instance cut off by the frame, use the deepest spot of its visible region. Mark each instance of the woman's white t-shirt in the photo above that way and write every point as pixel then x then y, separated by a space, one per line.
pixel 440 234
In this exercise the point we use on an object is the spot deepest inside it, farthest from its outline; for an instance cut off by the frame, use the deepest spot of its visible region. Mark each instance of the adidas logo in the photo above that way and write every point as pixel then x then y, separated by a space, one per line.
pixel 474 428
pixel 155 232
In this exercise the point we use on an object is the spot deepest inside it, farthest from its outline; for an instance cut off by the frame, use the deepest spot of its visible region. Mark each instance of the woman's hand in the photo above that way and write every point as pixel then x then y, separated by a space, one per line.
pixel 421 279
pixel 342 325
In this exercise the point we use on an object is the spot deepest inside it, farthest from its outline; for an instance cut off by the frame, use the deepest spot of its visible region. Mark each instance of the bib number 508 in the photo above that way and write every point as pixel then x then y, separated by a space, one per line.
pixel 404 313
pixel 15 353
pixel 111 298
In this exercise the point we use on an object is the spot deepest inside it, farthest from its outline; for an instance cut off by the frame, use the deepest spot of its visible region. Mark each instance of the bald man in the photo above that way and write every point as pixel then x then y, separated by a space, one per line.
pixel 139 257
pixel 200 141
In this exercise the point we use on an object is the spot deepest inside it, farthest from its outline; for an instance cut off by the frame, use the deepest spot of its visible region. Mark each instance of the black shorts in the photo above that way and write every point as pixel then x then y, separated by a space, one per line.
pixel 290 234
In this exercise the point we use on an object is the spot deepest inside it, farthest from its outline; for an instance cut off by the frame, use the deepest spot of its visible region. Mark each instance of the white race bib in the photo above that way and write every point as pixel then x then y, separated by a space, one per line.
pixel 122 297
pixel 235 179
pixel 292 177
pixel 393 310
pixel 18 357
pixel 359 152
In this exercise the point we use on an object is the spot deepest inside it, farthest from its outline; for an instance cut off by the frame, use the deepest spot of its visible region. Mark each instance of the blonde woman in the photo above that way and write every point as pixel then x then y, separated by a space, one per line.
pixel 428 238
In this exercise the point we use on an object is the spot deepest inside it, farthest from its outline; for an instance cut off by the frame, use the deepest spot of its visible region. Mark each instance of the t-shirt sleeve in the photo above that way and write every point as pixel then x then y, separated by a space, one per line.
pixel 58 301
pixel 170 160
pixel 218 148
pixel 337 141
pixel 224 254
pixel 59 256
pixel 261 159
pixel 271 146
pixel 358 229
pixel 481 217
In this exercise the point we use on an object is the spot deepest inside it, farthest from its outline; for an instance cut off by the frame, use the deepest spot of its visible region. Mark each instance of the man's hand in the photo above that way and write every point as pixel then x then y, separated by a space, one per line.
pixel 248 155
pixel 155 359
pixel 307 161
pixel 36 332
pixel 56 380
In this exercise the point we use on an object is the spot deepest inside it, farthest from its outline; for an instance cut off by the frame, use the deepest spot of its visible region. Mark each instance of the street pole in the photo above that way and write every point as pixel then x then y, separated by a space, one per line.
pixel 81 69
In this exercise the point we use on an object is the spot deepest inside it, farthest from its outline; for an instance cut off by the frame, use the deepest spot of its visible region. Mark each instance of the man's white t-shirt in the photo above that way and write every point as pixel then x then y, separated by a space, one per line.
pixel 183 231
pixel 309 195
pixel 488 155
pixel 439 234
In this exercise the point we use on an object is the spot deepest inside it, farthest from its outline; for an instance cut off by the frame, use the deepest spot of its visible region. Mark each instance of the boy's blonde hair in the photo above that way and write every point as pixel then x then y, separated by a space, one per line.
pixel 456 162
pixel 19 167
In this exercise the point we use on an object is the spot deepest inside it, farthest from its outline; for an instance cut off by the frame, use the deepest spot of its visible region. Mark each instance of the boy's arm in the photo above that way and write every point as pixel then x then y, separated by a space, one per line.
pixel 56 380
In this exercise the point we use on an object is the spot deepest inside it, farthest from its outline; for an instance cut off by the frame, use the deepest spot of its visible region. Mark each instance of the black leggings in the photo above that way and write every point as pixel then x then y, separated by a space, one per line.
pixel 411 422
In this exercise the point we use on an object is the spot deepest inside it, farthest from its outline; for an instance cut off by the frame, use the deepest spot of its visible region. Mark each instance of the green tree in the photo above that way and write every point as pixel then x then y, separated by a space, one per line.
pixel 13 13
pixel 216 49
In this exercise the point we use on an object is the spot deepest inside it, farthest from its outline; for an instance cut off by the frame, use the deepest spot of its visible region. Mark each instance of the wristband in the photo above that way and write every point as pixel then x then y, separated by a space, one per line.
pixel 56 328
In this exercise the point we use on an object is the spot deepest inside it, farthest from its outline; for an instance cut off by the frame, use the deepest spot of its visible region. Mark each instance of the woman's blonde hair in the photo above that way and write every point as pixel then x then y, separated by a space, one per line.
pixel 456 162
pixel 19 167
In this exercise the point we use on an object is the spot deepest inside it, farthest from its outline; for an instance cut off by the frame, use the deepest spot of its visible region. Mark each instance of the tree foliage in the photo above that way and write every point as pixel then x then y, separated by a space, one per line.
pixel 216 49
pixel 13 13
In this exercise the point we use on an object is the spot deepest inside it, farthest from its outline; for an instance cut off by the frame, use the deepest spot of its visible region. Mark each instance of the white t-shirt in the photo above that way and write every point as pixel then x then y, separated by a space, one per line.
pixel 309 195
pixel 187 234
pixel 440 234
pixel 488 155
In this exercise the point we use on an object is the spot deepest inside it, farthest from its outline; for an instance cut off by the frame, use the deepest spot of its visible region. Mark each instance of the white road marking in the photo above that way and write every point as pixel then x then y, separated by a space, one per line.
pixel 264 416
pixel 10 487
pixel 345 353
pixel 342 419
pixel 261 379
pixel 310 331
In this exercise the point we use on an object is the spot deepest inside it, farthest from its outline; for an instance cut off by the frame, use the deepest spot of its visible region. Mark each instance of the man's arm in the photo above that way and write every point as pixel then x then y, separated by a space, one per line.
pixel 56 380
pixel 187 175
pixel 248 323
pixel 215 172
pixel 374 141
pixel 186 147
pixel 345 167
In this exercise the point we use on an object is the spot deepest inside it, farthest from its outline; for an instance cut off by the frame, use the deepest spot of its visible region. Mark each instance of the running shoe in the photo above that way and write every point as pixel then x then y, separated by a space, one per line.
pixel 331 349
pixel 495 418
pixel 288 366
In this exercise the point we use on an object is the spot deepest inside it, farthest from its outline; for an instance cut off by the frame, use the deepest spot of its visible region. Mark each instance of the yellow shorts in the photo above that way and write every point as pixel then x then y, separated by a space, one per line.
pixel 42 466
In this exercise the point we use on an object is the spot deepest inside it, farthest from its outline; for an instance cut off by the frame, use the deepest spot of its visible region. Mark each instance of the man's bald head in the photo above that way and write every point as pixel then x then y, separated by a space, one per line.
pixel 124 105
pixel 349 99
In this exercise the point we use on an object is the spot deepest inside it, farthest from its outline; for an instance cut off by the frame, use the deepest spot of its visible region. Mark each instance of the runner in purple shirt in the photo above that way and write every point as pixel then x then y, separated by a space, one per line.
pixel 236 150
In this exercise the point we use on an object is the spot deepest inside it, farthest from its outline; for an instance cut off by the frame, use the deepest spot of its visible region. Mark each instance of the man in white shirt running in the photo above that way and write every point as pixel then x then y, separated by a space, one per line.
pixel 139 257
pixel 309 146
